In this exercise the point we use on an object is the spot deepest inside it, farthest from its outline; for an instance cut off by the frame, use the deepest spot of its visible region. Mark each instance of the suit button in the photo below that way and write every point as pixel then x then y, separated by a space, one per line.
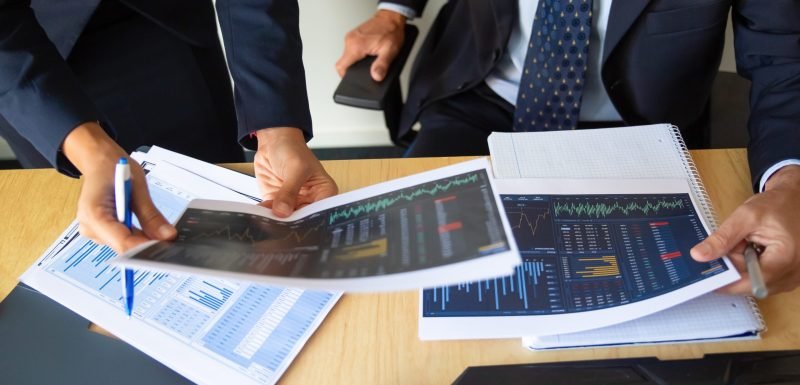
pixel 615 84
pixel 461 86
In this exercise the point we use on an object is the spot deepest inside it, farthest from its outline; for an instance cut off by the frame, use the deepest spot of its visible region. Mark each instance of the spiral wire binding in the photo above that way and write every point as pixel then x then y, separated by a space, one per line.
pixel 700 193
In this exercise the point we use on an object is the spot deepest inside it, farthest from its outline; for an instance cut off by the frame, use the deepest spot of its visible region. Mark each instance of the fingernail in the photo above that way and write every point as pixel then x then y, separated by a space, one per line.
pixel 281 208
pixel 166 231
pixel 378 74
pixel 703 249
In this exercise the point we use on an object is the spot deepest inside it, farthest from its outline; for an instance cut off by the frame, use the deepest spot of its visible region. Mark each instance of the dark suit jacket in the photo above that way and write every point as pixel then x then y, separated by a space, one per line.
pixel 42 99
pixel 660 59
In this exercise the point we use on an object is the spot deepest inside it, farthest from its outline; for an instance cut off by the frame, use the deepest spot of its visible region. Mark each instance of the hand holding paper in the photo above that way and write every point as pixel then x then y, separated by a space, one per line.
pixel 289 174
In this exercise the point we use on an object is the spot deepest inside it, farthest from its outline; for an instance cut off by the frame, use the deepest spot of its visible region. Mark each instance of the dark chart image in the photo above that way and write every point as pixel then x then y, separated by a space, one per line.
pixel 585 252
pixel 440 222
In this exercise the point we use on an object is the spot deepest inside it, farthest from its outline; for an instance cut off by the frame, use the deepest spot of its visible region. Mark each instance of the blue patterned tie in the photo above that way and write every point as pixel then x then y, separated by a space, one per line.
pixel 554 73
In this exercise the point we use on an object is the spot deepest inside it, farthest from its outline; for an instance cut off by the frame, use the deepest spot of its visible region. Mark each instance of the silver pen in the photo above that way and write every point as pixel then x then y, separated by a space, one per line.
pixel 751 253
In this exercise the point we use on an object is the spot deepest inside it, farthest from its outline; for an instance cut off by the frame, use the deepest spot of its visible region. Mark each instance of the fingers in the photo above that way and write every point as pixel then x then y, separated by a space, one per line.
pixel 741 286
pixel 350 55
pixel 386 54
pixel 154 225
pixel 285 199
pixel 379 36
pixel 731 233
pixel 288 172
pixel 104 229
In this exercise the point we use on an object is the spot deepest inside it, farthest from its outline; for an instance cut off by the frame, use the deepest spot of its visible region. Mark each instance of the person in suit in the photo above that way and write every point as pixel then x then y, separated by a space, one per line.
pixel 506 65
pixel 83 83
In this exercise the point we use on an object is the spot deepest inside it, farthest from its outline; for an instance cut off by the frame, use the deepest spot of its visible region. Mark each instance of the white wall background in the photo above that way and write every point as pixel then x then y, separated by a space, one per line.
pixel 323 24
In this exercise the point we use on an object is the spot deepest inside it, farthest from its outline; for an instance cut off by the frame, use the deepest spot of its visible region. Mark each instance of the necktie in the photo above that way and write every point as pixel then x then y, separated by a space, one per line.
pixel 554 72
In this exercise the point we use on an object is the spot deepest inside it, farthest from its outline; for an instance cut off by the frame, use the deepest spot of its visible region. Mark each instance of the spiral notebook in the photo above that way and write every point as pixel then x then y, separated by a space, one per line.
pixel 654 151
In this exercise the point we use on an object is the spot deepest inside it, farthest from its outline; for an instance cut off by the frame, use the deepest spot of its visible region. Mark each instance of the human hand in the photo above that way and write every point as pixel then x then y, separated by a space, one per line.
pixel 770 219
pixel 289 174
pixel 380 36
pixel 96 155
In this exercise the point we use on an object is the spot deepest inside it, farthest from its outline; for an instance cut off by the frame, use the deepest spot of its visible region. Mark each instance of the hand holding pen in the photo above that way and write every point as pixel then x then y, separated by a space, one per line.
pixel 762 238
pixel 95 155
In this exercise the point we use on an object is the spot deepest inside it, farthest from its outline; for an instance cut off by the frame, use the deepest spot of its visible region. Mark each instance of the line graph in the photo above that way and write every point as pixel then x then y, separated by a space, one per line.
pixel 248 228
pixel 531 222
pixel 405 195
pixel 226 233
pixel 604 208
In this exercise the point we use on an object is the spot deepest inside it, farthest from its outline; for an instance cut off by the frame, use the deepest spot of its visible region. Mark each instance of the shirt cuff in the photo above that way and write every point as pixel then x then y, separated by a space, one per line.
pixel 397 8
pixel 772 170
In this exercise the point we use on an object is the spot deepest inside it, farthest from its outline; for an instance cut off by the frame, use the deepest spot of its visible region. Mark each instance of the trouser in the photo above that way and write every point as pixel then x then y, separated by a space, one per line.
pixel 151 88
pixel 461 124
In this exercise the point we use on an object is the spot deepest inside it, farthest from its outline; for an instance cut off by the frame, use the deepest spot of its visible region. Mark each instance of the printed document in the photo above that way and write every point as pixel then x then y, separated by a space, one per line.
pixel 210 330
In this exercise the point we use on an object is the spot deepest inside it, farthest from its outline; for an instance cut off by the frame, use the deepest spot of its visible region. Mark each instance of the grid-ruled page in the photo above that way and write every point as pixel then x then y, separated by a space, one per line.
pixel 623 152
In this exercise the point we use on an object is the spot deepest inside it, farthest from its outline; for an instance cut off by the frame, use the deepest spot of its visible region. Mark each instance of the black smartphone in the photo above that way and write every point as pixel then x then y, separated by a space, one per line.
pixel 357 88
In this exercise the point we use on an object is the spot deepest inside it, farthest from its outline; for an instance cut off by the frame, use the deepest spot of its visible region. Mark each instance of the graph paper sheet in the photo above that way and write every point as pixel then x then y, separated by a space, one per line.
pixel 595 253
pixel 209 330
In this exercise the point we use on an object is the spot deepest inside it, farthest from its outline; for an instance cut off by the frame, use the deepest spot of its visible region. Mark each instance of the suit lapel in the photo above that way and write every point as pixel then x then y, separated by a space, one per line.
pixel 623 14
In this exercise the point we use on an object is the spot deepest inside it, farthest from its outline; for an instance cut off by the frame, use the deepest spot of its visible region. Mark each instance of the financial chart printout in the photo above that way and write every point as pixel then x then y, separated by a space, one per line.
pixel 417 227
pixel 585 253
pixel 201 327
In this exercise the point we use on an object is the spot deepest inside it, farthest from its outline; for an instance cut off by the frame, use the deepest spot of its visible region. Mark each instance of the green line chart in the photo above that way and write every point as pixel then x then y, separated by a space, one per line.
pixel 381 203
pixel 604 208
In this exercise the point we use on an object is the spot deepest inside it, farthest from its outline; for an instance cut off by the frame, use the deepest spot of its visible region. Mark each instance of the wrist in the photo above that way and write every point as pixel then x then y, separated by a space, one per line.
pixel 89 148
pixel 786 177
pixel 391 16
pixel 266 136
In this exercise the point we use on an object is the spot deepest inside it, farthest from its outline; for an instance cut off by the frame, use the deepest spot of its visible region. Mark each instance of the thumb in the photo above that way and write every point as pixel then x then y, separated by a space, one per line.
pixel 154 225
pixel 285 199
pixel 379 68
pixel 721 242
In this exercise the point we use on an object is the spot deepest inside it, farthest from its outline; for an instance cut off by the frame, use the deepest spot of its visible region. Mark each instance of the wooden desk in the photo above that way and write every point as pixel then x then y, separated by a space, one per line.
pixel 372 339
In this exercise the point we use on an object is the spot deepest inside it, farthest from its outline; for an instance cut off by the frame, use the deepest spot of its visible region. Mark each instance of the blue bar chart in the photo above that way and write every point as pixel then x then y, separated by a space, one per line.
pixel 252 328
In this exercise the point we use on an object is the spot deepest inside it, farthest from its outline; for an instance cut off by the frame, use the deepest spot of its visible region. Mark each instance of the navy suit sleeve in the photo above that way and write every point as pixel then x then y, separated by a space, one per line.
pixel 767 41
pixel 264 53
pixel 39 95
pixel 417 5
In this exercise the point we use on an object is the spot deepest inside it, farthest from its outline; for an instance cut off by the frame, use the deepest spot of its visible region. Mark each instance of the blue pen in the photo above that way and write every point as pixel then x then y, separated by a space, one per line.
pixel 122 198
